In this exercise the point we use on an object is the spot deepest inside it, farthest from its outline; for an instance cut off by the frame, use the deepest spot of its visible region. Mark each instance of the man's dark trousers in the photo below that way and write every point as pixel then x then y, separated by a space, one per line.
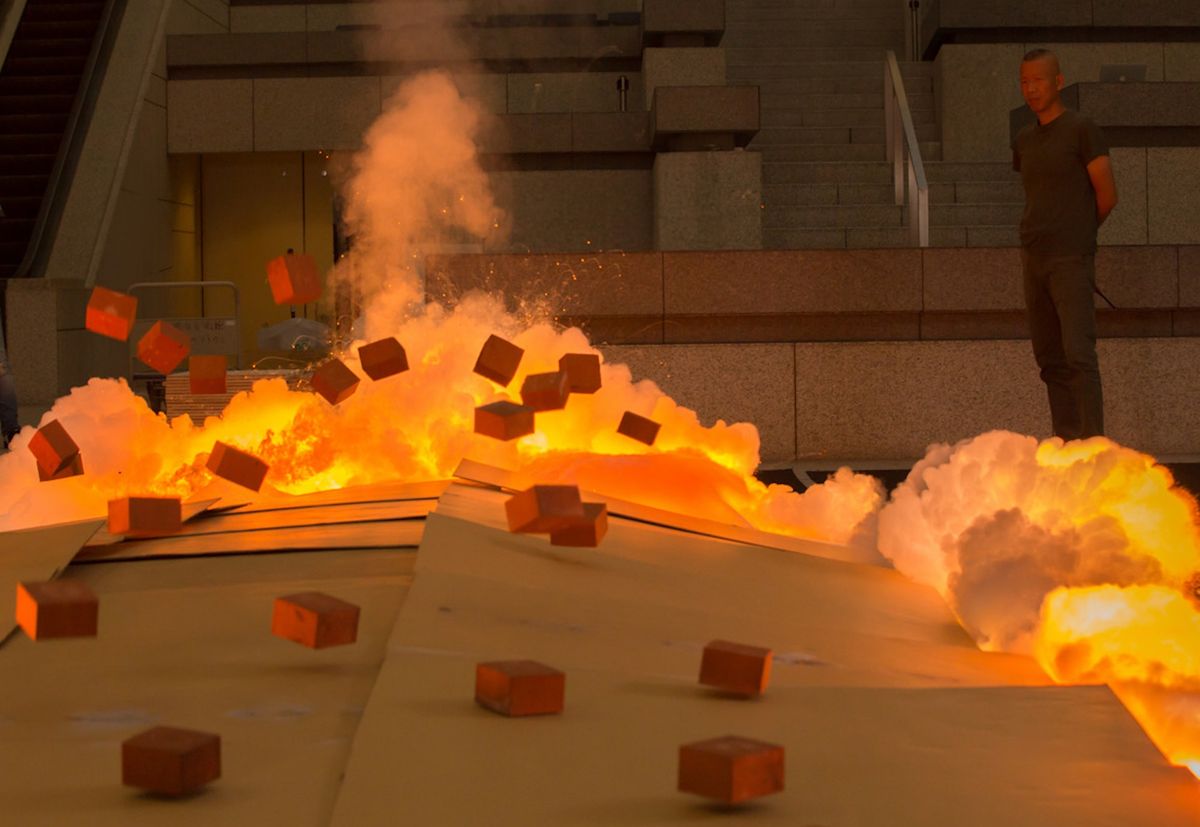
pixel 1062 326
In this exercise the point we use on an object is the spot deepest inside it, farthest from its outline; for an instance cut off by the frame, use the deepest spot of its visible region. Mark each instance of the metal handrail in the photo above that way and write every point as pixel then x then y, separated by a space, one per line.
pixel 61 175
pixel 904 152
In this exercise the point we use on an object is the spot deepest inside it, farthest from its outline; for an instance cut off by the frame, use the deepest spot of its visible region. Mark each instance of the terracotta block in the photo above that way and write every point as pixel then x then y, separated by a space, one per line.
pixel 207 374
pixel 545 391
pixel 731 769
pixel 57 608
pixel 237 466
pixel 294 279
pixel 53 449
pixel 638 427
pixel 504 420
pixel 315 620
pixel 499 360
pixel 382 359
pixel 334 381
pixel 519 687
pixel 582 370
pixel 110 313
pixel 171 761
pixel 544 508
pixel 735 667
pixel 163 347
pixel 585 533
pixel 144 516
pixel 75 469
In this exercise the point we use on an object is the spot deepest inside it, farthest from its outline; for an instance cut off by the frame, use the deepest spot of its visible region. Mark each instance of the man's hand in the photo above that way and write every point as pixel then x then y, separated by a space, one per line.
pixel 1100 171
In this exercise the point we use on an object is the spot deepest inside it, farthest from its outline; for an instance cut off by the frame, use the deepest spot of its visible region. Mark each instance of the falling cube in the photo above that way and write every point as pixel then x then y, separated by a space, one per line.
pixel 638 427
pixel 110 313
pixel 207 374
pixel 582 370
pixel 163 347
pixel 499 360
pixel 334 381
pixel 544 508
pixel 735 667
pixel 517 688
pixel 504 420
pixel 75 469
pixel 731 769
pixel 294 279
pixel 585 533
pixel 53 449
pixel 545 391
pixel 171 761
pixel 382 359
pixel 144 516
pixel 57 609
pixel 315 620
pixel 237 466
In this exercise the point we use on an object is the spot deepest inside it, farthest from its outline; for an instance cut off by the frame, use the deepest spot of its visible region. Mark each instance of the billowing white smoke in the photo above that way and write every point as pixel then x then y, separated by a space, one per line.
pixel 997 522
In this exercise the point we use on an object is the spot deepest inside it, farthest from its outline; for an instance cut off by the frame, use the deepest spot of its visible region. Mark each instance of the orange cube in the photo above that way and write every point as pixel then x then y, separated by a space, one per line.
pixel 294 279
pixel 504 420
pixel 638 427
pixel 544 508
pixel 56 609
pixel 587 532
pixel 163 347
pixel 582 370
pixel 382 359
pixel 334 381
pixel 237 466
pixel 735 667
pixel 144 516
pixel 518 688
pixel 499 360
pixel 53 449
pixel 315 620
pixel 75 469
pixel 731 769
pixel 170 761
pixel 110 313
pixel 207 374
pixel 545 391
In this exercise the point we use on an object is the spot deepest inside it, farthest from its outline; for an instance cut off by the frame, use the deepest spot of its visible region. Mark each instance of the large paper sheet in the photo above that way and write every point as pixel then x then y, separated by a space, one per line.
pixel 35 554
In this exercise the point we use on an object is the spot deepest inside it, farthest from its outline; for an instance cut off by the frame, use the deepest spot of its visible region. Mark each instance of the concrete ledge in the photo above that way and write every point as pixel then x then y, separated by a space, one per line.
pixel 1132 114
pixel 683 22
pixel 724 116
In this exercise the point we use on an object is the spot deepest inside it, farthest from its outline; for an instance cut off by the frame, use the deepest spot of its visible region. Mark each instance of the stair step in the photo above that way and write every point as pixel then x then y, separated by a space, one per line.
pixel 742 55
pixel 826 173
pixel 844 194
pixel 43 66
pixel 62 12
pixel 38 85
pixel 990 192
pixel 945 215
pixel 36 104
pixel 862 215
pixel 45 47
pixel 26 164
pixel 16 229
pixel 807 39
pixel 56 29
pixel 41 144
pixel 17 185
pixel 758 71
pixel 864 116
pixel 848 100
pixel 21 206
pixel 22 124
pixel 809 238
pixel 971 171
pixel 837 152
pixel 11 253
pixel 778 87
pixel 786 135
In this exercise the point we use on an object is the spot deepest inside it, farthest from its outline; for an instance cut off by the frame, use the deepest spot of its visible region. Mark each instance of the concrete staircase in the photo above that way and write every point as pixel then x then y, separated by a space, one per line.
pixel 826 183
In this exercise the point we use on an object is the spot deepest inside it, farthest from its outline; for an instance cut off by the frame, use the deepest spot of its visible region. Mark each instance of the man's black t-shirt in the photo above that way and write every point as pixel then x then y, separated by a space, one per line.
pixel 1060 202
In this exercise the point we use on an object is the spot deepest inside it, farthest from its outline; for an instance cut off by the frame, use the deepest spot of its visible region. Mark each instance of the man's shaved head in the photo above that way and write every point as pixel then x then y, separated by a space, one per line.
pixel 1043 54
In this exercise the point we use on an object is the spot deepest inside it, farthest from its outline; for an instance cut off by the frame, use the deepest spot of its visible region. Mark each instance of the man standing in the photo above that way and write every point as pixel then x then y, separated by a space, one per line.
pixel 1069 191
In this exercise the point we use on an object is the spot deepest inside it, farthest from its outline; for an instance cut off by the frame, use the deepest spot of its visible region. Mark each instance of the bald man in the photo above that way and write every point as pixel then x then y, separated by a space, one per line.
pixel 1069 191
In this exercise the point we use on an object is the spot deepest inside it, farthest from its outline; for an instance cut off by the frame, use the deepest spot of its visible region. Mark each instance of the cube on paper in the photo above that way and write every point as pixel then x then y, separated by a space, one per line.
pixel 171 761
pixel 543 508
pixel 498 360
pixel 504 420
pixel 383 358
pixel 110 313
pixel 294 279
pixel 736 667
pixel 163 347
pixel 586 532
pixel 237 466
pixel 315 620
pixel 518 688
pixel 57 609
pixel 731 769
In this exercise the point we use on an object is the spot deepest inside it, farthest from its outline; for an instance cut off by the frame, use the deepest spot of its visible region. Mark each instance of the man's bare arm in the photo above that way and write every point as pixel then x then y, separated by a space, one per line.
pixel 1100 171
